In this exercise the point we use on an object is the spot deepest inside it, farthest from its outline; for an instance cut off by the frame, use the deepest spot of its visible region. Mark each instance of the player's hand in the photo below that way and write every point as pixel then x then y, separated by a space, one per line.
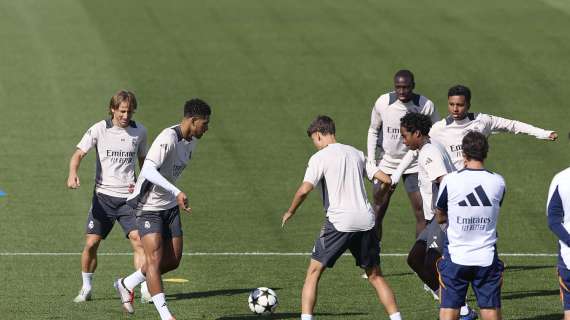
pixel 286 216
pixel 182 201
pixel 553 136
pixel 371 169
pixel 73 182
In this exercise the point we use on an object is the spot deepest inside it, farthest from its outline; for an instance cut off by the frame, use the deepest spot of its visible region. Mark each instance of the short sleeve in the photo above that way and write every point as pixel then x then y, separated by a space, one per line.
pixel 434 165
pixel 90 138
pixel 161 147
pixel 314 172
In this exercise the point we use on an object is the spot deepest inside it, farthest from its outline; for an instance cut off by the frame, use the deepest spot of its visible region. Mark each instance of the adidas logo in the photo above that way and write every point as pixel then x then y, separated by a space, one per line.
pixel 433 245
pixel 473 200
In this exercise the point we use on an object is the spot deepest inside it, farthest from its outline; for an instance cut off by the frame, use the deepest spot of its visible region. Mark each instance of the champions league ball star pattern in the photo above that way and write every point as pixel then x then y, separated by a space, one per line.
pixel 262 301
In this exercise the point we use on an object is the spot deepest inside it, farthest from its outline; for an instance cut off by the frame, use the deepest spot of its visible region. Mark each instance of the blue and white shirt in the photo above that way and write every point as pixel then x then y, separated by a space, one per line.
pixel 558 213
pixel 472 199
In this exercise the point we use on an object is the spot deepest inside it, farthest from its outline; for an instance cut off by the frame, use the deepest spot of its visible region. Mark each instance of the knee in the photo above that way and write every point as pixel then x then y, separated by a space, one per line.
pixel 91 245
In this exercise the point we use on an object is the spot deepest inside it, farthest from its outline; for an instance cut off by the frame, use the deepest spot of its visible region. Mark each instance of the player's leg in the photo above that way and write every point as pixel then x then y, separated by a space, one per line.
pixel 98 226
pixel 490 314
pixel 365 249
pixel 310 287
pixel 564 283
pixel 329 246
pixel 381 200
pixel 173 241
pixel 384 292
pixel 88 266
pixel 413 191
pixel 126 217
pixel 487 284
pixel 452 288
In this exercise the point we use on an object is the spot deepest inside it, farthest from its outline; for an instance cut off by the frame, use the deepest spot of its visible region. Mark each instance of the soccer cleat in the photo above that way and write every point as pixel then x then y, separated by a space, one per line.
pixel 84 295
pixel 471 315
pixel 364 275
pixel 145 294
pixel 126 295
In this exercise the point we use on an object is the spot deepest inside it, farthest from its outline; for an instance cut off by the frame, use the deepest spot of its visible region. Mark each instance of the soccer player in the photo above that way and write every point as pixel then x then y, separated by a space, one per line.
pixel 469 201
pixel 338 170
pixel 451 130
pixel 119 142
pixel 158 202
pixel 558 213
pixel 384 137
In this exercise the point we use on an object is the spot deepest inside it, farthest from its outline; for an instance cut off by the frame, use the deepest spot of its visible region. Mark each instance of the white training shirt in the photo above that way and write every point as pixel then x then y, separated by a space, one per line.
pixel 338 171
pixel 450 133
pixel 472 199
pixel 169 153
pixel 384 131
pixel 117 150
pixel 433 162
pixel 558 213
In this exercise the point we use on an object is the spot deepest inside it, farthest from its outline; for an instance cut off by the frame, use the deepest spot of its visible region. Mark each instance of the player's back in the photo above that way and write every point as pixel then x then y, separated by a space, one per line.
pixel 342 185
pixel 472 199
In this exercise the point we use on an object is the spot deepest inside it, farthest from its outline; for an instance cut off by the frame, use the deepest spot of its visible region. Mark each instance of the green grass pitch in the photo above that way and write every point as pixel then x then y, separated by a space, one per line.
pixel 267 68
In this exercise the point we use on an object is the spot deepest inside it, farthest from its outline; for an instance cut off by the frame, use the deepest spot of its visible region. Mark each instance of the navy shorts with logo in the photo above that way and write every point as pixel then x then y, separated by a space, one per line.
pixel 104 211
pixel 433 235
pixel 564 282
pixel 331 244
pixel 165 222
pixel 454 280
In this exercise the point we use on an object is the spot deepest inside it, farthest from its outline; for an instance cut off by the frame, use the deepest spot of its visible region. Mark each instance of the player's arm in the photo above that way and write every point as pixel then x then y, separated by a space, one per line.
pixel 499 124
pixel 555 213
pixel 441 204
pixel 73 178
pixel 373 134
pixel 300 196
pixel 410 157
pixel 150 172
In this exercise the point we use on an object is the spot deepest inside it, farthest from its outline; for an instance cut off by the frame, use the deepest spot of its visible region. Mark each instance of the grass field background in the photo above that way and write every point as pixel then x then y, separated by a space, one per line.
pixel 267 68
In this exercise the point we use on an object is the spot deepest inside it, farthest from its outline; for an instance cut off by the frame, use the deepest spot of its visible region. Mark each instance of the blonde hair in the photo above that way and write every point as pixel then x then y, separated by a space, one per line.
pixel 122 96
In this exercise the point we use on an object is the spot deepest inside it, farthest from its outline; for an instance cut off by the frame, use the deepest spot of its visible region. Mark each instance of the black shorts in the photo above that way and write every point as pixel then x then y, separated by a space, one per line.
pixel 433 235
pixel 165 222
pixel 104 211
pixel 331 244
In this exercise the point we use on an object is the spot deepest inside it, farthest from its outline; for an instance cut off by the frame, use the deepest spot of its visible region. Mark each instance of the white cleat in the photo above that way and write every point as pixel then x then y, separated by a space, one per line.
pixel 84 295
pixel 126 296
pixel 145 294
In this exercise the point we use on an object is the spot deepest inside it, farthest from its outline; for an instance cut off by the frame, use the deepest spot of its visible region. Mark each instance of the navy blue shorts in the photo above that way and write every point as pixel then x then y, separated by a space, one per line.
pixel 454 279
pixel 165 222
pixel 104 211
pixel 331 244
pixel 564 281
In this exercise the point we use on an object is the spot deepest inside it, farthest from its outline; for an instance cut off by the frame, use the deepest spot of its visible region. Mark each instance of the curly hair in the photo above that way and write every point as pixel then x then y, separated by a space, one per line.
pixel 196 108
pixel 413 122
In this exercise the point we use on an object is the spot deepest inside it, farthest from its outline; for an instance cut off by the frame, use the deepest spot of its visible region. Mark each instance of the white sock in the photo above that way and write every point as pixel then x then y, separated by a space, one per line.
pixel 144 287
pixel 305 316
pixel 464 310
pixel 160 304
pixel 134 280
pixel 395 316
pixel 87 277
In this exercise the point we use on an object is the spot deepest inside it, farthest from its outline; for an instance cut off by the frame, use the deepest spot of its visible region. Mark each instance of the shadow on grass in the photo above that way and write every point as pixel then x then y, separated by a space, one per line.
pixel 552 316
pixel 515 268
pixel 212 293
pixel 288 315
pixel 526 294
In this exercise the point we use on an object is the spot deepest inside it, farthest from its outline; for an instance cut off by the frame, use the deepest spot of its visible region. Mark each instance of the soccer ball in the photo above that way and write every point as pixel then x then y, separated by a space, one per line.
pixel 262 301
